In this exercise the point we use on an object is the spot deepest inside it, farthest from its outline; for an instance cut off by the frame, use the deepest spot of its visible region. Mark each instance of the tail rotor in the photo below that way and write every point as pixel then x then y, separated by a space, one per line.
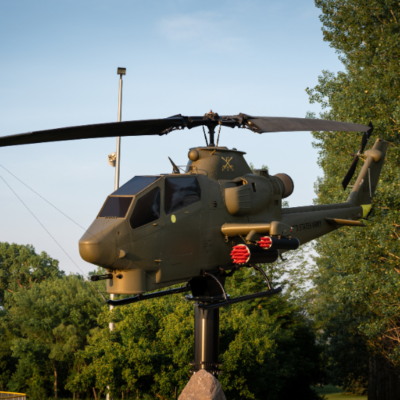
pixel 349 175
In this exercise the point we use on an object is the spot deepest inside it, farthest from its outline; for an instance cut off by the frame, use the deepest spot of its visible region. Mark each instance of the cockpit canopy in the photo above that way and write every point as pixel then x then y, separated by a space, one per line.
pixel 117 204
pixel 171 192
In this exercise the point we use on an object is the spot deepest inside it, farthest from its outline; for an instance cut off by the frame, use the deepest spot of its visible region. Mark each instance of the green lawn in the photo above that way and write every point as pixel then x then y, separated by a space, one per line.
pixel 333 393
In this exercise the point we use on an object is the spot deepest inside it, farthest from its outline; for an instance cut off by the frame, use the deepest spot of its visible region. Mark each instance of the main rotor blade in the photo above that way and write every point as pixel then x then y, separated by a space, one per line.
pixel 113 129
pixel 350 172
pixel 166 125
pixel 283 124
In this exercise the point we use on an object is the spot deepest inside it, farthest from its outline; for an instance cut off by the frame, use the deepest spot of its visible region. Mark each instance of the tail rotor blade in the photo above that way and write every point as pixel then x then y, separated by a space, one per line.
pixel 365 137
pixel 350 172
pixel 364 141
pixel 353 166
pixel 369 132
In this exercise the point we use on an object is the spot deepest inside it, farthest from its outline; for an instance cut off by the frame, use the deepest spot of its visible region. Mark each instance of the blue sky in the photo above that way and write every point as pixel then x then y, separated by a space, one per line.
pixel 58 68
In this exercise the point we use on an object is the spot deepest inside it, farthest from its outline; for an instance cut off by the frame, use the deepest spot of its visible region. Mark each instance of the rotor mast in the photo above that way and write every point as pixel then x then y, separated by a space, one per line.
pixel 214 117
pixel 211 133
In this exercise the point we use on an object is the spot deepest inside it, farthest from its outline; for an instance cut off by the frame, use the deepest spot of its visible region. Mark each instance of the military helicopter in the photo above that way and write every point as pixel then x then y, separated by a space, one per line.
pixel 200 225
pixel 216 215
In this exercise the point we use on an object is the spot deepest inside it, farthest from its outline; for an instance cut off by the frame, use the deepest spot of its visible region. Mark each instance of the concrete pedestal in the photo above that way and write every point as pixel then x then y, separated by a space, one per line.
pixel 202 386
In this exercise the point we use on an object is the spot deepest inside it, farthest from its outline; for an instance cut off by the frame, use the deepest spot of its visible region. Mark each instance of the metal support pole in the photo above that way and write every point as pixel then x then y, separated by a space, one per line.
pixel 206 290
pixel 120 71
pixel 118 152
pixel 206 339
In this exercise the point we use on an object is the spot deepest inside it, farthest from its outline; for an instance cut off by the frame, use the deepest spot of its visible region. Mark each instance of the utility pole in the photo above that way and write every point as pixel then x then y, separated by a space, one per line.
pixel 117 156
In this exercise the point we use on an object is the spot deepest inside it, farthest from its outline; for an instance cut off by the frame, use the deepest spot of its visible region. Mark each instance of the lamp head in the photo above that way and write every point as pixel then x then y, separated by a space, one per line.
pixel 121 71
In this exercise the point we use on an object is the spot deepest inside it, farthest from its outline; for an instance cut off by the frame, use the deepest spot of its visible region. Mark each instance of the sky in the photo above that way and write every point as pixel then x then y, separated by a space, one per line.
pixel 58 67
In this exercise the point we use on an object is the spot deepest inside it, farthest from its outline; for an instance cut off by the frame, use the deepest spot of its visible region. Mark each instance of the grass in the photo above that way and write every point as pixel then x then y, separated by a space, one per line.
pixel 334 393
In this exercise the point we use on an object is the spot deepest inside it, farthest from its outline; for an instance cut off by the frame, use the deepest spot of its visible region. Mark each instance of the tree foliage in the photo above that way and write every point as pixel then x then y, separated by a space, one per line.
pixel 56 341
pixel 267 347
pixel 357 302
pixel 45 319
pixel 50 322
pixel 21 267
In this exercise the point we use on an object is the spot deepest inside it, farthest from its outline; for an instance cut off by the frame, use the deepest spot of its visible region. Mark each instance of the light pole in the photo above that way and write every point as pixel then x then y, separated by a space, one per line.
pixel 120 72
pixel 114 160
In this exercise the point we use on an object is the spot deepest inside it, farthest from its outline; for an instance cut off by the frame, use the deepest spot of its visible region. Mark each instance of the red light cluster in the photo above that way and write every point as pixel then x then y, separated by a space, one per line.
pixel 240 254
pixel 265 242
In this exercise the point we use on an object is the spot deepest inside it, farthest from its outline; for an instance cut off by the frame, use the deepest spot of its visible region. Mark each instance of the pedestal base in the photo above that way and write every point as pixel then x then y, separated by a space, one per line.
pixel 202 386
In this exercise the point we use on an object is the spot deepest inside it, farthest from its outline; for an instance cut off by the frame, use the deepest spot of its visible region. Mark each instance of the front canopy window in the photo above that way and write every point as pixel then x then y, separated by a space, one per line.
pixel 115 207
pixel 180 192
pixel 147 209
pixel 135 185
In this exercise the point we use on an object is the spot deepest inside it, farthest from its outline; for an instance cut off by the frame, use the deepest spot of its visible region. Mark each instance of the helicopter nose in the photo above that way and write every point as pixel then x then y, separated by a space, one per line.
pixel 97 252
pixel 98 245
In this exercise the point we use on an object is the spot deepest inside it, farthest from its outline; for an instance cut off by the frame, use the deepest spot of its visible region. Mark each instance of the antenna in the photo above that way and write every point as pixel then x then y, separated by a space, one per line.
pixel 219 131
pixel 205 136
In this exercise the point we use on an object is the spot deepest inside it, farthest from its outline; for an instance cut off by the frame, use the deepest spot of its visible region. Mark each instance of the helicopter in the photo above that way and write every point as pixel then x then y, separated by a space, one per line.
pixel 199 225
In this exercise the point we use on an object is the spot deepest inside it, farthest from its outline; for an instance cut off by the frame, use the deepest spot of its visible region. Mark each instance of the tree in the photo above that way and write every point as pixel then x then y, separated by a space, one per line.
pixel 358 276
pixel 267 346
pixel 50 323
pixel 21 268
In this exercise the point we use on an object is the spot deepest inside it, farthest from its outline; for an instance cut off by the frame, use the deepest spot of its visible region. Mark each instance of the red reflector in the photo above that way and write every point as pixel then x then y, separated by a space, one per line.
pixel 240 254
pixel 265 242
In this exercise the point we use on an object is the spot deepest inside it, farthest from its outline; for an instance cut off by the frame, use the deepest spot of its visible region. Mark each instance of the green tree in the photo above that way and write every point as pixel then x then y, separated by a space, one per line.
pixel 358 277
pixel 21 268
pixel 50 323
pixel 267 346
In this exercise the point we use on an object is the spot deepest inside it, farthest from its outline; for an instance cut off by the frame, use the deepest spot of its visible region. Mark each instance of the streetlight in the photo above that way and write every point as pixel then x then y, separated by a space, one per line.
pixel 114 161
pixel 115 158
pixel 120 72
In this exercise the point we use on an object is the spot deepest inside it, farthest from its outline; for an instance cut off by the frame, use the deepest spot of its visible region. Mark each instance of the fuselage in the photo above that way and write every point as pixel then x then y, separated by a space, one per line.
pixel 160 230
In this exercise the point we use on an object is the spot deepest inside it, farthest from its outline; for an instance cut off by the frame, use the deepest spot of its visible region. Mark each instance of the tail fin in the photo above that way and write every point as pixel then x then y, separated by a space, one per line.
pixel 367 181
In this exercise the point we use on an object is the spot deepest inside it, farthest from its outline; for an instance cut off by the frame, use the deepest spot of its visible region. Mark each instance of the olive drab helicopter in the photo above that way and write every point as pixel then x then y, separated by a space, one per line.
pixel 199 225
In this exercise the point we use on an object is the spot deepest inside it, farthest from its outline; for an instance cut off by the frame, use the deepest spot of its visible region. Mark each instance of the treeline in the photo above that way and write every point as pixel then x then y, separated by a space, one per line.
pixel 356 306
pixel 56 341
pixel 45 319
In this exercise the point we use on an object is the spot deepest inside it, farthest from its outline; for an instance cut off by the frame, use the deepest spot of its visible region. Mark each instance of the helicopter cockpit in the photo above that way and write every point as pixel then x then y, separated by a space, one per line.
pixel 133 213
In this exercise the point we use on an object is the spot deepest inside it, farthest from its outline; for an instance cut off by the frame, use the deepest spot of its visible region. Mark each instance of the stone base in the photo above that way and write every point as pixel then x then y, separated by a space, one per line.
pixel 202 386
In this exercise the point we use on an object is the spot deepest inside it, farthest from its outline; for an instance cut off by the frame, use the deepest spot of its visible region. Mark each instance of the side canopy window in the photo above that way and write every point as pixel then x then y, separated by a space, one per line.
pixel 115 207
pixel 147 209
pixel 180 192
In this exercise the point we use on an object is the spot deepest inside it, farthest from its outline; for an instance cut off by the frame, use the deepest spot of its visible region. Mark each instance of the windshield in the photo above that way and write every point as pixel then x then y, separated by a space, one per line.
pixel 115 207
pixel 135 185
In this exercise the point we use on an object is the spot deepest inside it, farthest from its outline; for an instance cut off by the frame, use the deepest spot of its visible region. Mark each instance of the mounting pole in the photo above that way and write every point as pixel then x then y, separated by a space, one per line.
pixel 206 291
pixel 206 339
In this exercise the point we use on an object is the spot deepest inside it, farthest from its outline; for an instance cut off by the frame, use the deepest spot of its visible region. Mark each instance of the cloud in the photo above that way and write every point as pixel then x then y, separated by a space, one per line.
pixel 201 30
